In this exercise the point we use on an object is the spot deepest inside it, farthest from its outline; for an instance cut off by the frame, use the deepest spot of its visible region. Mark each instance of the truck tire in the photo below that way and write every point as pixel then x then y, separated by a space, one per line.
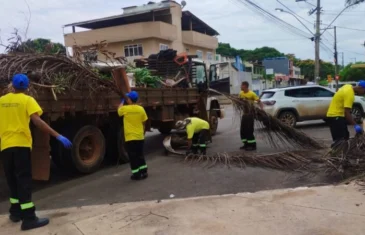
pixel 88 149
pixel 122 152
pixel 213 123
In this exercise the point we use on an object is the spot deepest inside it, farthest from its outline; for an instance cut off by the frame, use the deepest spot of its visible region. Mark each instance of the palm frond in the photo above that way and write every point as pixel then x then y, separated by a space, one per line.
pixel 277 133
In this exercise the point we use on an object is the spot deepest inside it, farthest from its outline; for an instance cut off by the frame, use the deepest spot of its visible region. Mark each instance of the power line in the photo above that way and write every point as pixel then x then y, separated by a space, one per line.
pixel 272 18
pixel 274 40
pixel 362 30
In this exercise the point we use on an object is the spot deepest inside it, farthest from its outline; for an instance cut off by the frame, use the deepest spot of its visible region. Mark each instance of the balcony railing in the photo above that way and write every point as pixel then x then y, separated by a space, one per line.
pixel 122 33
pixel 199 39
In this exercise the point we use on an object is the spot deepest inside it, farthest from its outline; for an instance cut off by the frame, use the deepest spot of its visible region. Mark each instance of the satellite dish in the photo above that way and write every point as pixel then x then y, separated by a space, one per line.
pixel 183 3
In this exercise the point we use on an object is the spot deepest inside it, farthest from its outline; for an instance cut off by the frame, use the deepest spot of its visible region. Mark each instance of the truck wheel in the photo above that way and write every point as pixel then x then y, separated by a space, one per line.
pixel 213 122
pixel 165 130
pixel 122 152
pixel 88 149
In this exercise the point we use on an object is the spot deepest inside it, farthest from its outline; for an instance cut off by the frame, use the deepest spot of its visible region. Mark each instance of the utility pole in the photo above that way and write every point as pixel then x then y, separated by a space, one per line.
pixel 343 60
pixel 336 57
pixel 317 39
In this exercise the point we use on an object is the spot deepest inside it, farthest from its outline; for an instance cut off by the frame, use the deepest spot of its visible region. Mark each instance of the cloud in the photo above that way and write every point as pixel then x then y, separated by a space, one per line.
pixel 237 24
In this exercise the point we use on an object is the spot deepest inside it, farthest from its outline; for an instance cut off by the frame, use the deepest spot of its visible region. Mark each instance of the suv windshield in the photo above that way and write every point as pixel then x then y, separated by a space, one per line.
pixel 267 95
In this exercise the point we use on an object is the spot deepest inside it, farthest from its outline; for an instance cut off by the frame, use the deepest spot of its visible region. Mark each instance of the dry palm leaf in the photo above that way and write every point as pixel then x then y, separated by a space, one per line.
pixel 278 133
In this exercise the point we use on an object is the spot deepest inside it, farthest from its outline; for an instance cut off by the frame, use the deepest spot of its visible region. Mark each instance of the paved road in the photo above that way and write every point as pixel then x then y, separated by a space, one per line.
pixel 170 177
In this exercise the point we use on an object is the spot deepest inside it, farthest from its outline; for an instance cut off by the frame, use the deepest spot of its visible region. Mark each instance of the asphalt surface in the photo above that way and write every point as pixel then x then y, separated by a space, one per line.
pixel 170 177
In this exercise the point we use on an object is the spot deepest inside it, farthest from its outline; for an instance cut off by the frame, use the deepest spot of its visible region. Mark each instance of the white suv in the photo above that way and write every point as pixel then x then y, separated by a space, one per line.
pixel 304 103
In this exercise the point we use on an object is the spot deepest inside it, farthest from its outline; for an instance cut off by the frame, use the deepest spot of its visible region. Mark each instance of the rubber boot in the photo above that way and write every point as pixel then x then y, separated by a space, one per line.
pixel 194 149
pixel 35 222
pixel 144 174
pixel 203 150
pixel 15 213
pixel 136 176
pixel 250 147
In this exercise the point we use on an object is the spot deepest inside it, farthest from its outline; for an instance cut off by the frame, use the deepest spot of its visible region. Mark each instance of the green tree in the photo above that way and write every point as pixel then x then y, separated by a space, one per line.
pixel 352 74
pixel 257 54
pixel 307 68
pixel 225 49
pixel 38 45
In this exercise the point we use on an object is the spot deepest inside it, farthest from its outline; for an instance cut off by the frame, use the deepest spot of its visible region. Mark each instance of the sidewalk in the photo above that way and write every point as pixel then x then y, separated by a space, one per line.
pixel 304 211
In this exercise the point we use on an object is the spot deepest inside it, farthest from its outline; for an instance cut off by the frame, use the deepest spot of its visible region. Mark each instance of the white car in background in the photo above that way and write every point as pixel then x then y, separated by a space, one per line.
pixel 304 103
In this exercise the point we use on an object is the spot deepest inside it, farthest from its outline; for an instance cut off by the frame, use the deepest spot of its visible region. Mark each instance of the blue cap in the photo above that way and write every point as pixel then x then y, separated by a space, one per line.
pixel 133 95
pixel 20 81
pixel 362 84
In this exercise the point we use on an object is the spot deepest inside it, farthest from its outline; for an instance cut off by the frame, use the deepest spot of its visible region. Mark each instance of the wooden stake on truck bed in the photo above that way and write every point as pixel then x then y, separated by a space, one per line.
pixel 121 81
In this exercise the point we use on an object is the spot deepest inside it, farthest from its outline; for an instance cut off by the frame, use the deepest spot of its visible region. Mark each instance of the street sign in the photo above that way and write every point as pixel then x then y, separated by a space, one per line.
pixel 269 71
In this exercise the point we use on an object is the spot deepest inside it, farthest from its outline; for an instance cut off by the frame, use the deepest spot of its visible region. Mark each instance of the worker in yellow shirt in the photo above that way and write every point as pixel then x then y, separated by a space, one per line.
pixel 198 132
pixel 339 112
pixel 247 120
pixel 16 111
pixel 134 119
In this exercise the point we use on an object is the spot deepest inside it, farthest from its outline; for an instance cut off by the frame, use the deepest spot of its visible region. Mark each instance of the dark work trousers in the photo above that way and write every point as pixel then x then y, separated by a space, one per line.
pixel 199 142
pixel 247 129
pixel 136 156
pixel 18 172
pixel 338 127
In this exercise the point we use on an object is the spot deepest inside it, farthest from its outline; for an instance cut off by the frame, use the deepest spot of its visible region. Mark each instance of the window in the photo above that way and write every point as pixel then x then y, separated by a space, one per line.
pixel 248 69
pixel 319 92
pixel 267 95
pixel 199 54
pixel 133 50
pixel 300 93
pixel 209 56
pixel 90 56
pixel 164 47
pixel 200 74
pixel 310 92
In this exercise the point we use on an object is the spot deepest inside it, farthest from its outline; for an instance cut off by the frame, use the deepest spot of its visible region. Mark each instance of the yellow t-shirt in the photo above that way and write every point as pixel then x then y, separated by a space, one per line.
pixel 344 98
pixel 250 95
pixel 134 116
pixel 195 126
pixel 15 112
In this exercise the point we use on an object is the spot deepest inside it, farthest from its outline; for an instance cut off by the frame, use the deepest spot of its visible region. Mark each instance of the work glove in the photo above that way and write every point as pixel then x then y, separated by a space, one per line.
pixel 358 129
pixel 122 101
pixel 66 142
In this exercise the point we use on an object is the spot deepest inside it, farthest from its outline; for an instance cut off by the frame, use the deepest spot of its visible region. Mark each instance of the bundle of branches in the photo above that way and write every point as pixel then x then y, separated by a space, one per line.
pixel 287 161
pixel 347 158
pixel 276 131
pixel 52 71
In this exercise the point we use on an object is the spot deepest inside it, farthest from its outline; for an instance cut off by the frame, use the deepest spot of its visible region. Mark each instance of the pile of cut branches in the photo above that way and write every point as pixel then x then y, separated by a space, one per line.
pixel 287 161
pixel 347 158
pixel 55 72
pixel 278 133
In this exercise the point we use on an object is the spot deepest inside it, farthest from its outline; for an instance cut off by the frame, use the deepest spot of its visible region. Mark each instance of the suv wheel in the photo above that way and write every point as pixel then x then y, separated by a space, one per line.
pixel 289 118
pixel 357 114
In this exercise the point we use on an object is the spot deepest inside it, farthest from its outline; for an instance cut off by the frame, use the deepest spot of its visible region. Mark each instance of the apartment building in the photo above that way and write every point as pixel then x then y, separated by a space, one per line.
pixel 285 71
pixel 144 30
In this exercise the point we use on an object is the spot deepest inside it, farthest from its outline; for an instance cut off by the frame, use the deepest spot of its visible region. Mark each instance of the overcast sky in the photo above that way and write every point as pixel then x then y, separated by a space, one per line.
pixel 236 23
